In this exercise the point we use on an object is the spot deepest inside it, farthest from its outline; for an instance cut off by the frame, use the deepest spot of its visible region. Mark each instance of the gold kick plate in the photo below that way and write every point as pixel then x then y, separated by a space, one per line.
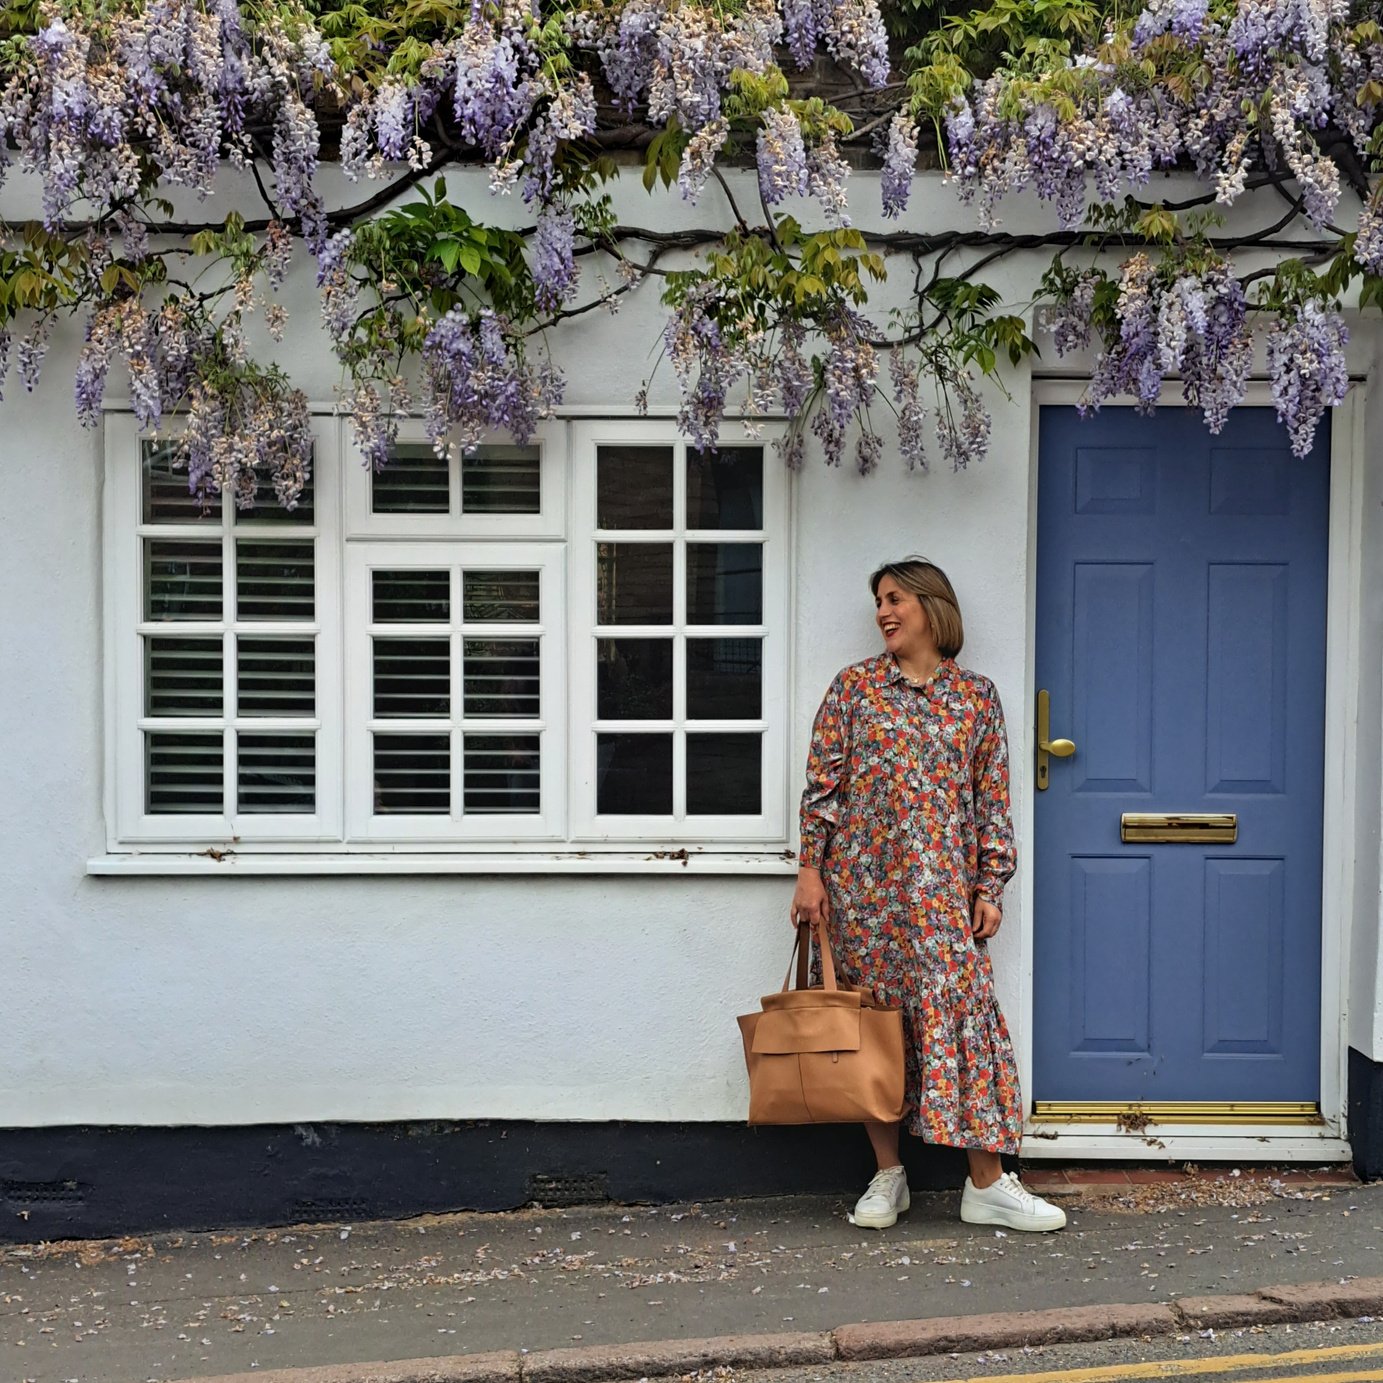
pixel 1047 747
pixel 1133 1116
pixel 1179 828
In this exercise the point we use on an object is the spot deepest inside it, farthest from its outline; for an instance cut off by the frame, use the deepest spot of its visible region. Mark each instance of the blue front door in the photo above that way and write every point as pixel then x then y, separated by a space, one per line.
pixel 1181 597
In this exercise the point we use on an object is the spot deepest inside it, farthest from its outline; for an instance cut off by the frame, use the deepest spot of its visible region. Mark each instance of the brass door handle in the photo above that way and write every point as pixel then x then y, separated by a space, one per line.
pixel 1047 747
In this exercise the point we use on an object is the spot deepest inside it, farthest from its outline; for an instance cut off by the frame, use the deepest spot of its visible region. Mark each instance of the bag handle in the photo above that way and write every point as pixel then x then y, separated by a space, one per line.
pixel 801 951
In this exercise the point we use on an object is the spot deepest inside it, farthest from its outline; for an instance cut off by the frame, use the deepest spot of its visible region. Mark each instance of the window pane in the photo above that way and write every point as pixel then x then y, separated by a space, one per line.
pixel 182 580
pixel 633 487
pixel 501 774
pixel 182 677
pixel 273 580
pixel 411 597
pixel 724 679
pixel 166 496
pixel 633 775
pixel 277 677
pixel 725 488
pixel 413 774
pixel 412 678
pixel 501 480
pixel 277 773
pixel 415 481
pixel 634 679
pixel 501 677
pixel 725 583
pixel 724 775
pixel 500 595
pixel 633 583
pixel 183 773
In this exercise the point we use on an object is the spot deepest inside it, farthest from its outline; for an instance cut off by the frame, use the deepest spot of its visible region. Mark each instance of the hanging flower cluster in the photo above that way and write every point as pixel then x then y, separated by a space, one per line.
pixel 110 108
pixel 1215 87
pixel 1190 321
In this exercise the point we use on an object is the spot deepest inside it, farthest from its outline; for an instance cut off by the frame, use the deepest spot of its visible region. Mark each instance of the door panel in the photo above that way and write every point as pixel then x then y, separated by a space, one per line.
pixel 1181 635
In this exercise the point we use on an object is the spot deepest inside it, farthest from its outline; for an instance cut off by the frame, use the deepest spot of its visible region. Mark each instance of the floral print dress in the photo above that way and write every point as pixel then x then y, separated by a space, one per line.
pixel 906 814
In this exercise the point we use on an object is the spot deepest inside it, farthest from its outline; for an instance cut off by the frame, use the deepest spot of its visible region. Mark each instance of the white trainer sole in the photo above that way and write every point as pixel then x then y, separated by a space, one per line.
pixel 991 1215
pixel 884 1220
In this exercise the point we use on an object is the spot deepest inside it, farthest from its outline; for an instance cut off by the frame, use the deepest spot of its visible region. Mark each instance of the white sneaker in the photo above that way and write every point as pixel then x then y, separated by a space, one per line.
pixel 1008 1202
pixel 885 1199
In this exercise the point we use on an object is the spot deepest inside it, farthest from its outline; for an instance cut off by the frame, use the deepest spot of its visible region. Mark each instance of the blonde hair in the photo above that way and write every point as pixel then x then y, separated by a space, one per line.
pixel 930 585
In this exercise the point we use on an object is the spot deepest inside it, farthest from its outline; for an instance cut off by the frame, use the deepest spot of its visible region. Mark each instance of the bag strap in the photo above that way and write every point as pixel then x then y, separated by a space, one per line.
pixel 801 952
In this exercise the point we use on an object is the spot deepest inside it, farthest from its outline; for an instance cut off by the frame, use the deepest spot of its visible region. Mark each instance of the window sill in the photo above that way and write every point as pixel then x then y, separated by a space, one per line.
pixel 661 862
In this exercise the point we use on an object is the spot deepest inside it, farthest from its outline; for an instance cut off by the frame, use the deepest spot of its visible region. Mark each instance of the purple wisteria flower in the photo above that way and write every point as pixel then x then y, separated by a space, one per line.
pixel 393 120
pixel 493 93
pixel 1306 362
pixel 801 26
pixel 1185 19
pixel 1193 324
pixel 554 265
pixel 965 438
pixel 854 33
pixel 782 156
pixel 476 380
pixel 900 163
pixel 912 416
pixel 1368 243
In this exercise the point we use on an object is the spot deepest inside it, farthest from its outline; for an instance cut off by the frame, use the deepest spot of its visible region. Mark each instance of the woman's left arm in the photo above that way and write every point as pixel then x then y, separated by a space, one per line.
pixel 998 856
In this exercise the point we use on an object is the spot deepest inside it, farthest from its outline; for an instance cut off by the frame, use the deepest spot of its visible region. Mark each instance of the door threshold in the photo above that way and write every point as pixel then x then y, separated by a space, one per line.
pixel 1135 1116
pixel 1172 1142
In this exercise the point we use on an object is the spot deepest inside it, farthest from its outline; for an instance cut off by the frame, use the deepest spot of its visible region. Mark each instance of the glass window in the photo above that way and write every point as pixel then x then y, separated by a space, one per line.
pixel 709 688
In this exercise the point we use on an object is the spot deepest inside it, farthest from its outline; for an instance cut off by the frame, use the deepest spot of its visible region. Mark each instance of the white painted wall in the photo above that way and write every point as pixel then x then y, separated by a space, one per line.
pixel 234 1000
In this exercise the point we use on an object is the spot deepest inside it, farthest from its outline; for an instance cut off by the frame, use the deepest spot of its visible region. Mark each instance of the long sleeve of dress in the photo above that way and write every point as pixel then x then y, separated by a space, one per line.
pixel 826 767
pixel 998 855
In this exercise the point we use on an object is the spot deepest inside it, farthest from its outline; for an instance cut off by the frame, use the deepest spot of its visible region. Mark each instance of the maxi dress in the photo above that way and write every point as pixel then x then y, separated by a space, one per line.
pixel 906 815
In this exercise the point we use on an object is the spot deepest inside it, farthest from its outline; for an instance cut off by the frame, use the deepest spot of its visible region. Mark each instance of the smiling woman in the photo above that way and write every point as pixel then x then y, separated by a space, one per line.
pixel 906 847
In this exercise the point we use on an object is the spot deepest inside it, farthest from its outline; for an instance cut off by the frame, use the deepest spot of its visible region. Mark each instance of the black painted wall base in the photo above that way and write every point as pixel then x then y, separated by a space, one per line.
pixel 1366 1115
pixel 96 1182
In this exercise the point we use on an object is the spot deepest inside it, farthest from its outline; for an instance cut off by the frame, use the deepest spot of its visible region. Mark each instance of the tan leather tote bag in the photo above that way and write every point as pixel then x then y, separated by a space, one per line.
pixel 822 1055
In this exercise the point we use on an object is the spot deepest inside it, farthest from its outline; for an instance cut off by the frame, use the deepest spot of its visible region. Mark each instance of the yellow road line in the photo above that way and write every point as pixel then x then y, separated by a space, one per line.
pixel 1223 1363
pixel 1349 1376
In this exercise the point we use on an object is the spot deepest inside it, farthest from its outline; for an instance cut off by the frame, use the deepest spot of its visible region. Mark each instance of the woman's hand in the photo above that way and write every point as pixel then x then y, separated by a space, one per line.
pixel 985 919
pixel 809 899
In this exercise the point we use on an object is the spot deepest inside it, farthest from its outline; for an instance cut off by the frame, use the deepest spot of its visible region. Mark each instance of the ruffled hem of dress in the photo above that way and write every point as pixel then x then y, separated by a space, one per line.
pixel 938 1117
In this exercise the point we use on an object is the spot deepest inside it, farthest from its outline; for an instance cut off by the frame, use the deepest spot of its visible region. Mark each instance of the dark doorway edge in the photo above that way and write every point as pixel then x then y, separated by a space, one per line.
pixel 1365 1115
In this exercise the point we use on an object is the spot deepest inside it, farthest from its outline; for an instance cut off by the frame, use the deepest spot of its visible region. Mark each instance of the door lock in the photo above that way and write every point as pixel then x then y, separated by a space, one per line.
pixel 1047 747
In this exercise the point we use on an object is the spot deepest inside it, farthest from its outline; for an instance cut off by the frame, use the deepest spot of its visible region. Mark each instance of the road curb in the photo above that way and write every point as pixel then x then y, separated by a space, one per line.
pixel 1287 1304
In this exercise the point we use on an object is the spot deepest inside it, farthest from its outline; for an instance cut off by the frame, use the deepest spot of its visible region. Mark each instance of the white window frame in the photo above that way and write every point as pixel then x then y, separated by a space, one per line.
pixel 453 526
pixel 129 824
pixel 560 541
pixel 455 826
pixel 769 825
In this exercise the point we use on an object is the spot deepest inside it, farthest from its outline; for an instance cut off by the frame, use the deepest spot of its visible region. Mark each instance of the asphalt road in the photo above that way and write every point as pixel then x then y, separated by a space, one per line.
pixel 1326 1353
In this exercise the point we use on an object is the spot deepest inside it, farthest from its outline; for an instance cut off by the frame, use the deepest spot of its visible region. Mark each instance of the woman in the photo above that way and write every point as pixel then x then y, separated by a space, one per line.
pixel 906 847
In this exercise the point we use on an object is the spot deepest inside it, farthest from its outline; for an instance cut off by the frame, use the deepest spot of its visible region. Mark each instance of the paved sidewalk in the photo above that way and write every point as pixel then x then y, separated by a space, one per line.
pixel 529 1282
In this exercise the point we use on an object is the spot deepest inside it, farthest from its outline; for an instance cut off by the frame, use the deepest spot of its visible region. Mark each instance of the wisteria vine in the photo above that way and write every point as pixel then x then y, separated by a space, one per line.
pixel 111 109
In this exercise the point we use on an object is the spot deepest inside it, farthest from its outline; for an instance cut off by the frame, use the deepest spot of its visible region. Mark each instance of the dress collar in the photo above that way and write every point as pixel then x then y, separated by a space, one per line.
pixel 887 672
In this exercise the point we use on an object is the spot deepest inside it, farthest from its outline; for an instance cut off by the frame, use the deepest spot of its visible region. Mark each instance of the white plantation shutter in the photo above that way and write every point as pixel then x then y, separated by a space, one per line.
pixel 226 659
pixel 454 717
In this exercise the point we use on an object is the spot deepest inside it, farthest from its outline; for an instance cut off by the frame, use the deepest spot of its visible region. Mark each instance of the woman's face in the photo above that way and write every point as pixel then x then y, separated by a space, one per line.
pixel 901 619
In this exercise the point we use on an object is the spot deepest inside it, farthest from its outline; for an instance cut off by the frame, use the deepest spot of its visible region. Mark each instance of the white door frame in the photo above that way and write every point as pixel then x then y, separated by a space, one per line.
pixel 1344 636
